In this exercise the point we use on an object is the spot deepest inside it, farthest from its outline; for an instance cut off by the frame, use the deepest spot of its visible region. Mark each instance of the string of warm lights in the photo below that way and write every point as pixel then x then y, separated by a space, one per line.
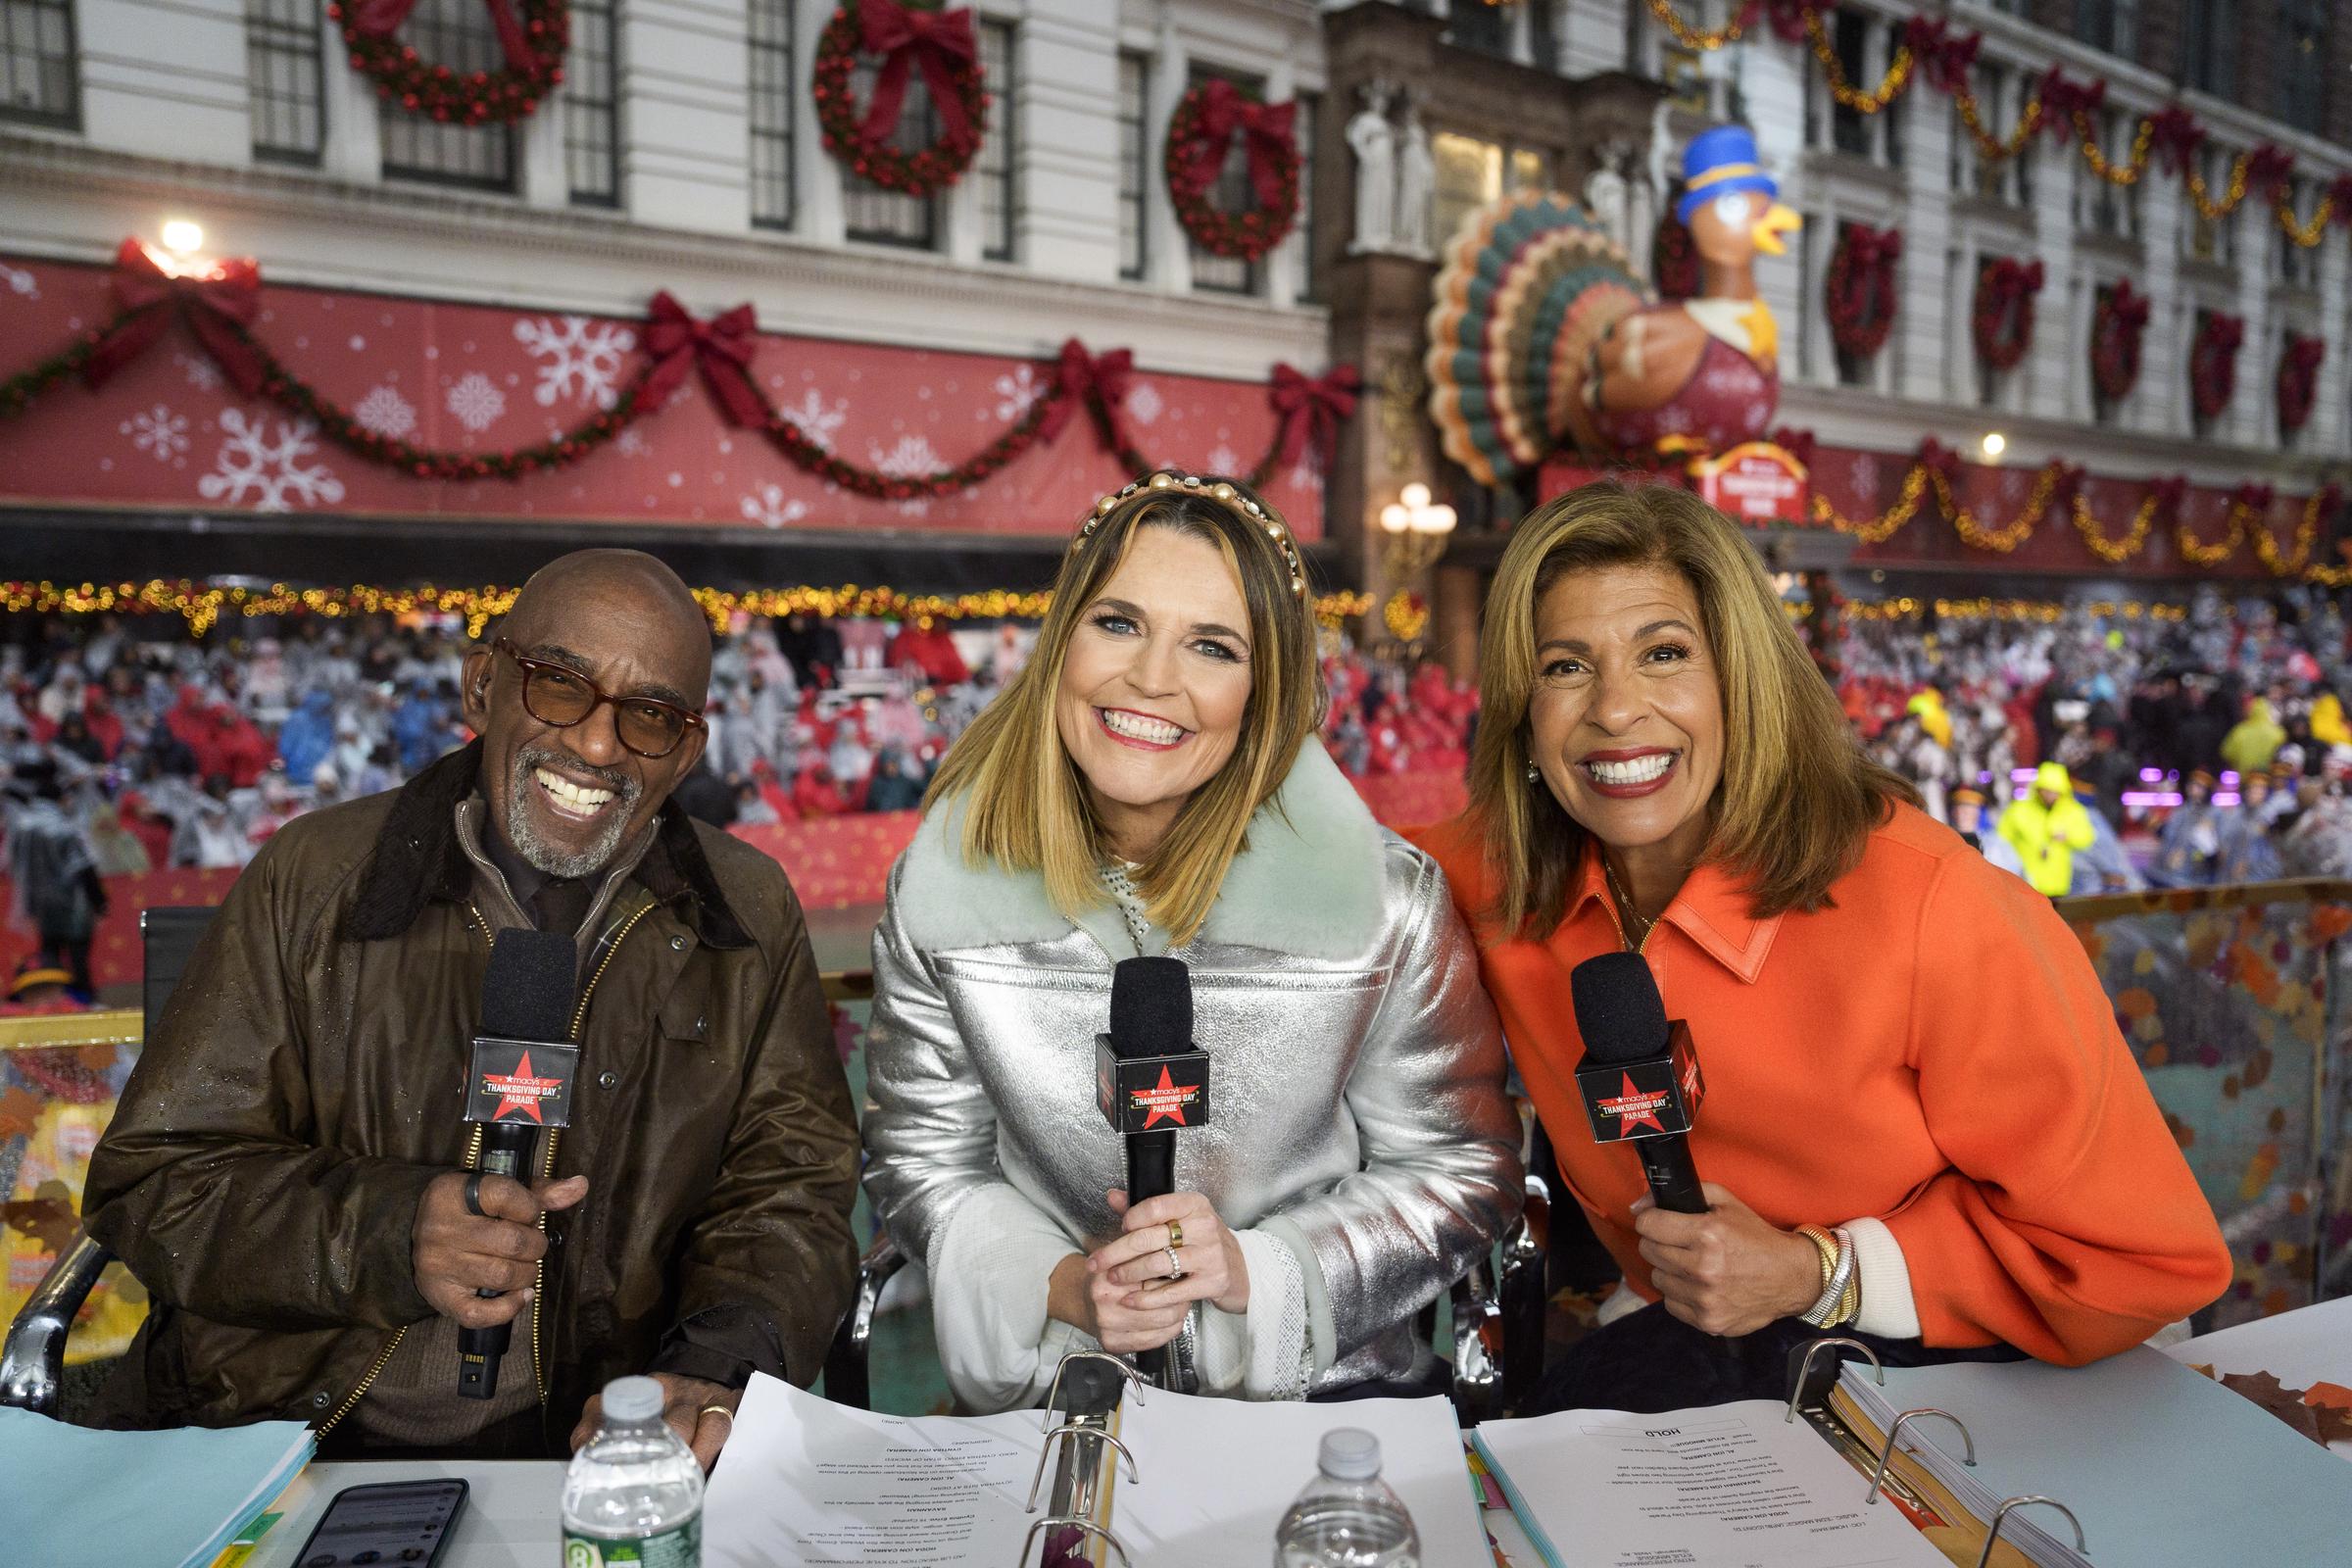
pixel 2039 611
pixel 204 605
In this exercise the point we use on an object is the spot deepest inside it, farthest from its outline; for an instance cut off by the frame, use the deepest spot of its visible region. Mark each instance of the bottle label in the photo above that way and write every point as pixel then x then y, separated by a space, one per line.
pixel 681 1547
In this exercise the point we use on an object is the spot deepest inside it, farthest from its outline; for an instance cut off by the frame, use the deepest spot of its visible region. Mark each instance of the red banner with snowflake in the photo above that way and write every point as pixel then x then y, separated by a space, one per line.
pixel 167 431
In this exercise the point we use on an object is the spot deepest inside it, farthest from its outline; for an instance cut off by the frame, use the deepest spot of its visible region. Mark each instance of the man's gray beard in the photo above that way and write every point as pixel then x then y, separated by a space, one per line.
pixel 536 851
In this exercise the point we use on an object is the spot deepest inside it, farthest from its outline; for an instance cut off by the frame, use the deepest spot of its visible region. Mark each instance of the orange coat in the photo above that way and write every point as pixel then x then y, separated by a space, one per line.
pixel 1933 1049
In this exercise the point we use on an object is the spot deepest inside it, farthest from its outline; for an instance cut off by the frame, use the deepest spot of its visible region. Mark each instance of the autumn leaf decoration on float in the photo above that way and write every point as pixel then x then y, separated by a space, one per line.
pixel 532 35
pixel 1201 138
pixel 944 48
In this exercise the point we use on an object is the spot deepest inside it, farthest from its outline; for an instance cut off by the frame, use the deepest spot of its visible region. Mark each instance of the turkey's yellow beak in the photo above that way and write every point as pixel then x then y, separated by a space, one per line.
pixel 1778 220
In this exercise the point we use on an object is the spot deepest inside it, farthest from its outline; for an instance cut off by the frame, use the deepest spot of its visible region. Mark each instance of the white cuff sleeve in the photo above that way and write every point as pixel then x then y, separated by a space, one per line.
pixel 1888 1308
pixel 991 1267
pixel 1264 1352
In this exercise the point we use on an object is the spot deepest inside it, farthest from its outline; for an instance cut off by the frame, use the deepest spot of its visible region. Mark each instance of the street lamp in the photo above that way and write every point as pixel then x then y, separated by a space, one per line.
pixel 1418 531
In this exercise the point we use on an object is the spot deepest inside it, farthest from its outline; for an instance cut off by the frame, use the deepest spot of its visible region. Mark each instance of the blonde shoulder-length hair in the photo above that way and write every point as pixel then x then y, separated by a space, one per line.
pixel 1797 799
pixel 1025 803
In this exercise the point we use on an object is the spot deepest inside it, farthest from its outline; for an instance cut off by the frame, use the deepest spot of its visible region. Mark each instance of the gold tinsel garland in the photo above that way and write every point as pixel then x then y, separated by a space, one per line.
pixel 201 605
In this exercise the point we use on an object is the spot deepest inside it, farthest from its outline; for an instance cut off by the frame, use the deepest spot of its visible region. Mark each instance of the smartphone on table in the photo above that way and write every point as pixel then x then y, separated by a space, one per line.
pixel 385 1524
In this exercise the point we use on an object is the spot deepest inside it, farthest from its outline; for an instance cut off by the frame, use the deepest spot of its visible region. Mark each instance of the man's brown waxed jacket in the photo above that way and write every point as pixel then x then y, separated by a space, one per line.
pixel 306 1081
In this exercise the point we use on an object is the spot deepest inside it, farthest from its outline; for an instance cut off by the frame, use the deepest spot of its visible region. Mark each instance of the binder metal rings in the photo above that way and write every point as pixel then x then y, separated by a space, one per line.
pixel 1126 1370
pixel 1894 1434
pixel 1804 1371
pixel 1994 1534
pixel 1074 1429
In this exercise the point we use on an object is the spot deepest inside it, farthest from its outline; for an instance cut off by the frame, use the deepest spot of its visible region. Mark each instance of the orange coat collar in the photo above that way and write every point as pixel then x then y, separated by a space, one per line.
pixel 1711 909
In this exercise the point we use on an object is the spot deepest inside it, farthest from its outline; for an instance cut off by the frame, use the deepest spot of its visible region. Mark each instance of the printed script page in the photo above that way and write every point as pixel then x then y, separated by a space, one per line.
pixel 1732 1487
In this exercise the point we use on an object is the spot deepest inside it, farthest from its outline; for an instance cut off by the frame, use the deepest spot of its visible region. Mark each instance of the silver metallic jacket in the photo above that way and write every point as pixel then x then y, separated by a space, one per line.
pixel 1357 1068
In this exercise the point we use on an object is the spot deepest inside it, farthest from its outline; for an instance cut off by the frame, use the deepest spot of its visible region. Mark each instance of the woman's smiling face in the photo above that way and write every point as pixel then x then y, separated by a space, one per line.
pixel 1626 721
pixel 1155 683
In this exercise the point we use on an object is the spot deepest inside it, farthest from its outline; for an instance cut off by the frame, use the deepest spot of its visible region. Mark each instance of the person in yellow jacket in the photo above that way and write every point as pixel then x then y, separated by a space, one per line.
pixel 2046 828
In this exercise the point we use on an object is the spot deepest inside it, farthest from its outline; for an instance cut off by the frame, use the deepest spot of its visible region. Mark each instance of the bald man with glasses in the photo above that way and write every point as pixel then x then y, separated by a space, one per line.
pixel 285 1173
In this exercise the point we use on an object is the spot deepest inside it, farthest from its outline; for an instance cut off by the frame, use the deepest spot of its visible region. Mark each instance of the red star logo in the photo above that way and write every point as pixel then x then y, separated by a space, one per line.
pixel 519 1091
pixel 1166 1101
pixel 1634 1108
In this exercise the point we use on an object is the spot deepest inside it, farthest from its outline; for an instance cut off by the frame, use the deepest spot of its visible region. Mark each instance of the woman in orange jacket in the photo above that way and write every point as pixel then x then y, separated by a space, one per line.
pixel 1913 1080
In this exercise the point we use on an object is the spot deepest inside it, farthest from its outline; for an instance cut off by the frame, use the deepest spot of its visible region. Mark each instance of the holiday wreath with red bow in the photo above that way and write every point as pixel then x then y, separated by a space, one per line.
pixel 940 44
pixel 1200 136
pixel 2002 323
pixel 532 34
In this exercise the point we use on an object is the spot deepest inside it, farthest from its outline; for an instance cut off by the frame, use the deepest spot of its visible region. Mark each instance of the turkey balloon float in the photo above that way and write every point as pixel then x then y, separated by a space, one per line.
pixel 1541 338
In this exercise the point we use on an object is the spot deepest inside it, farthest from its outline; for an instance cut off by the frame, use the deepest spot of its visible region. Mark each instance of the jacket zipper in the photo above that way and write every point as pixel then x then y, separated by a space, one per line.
pixel 609 945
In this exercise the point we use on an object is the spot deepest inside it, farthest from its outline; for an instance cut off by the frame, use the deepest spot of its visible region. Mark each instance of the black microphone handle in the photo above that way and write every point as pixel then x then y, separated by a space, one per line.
pixel 505 1151
pixel 1151 1173
pixel 1673 1175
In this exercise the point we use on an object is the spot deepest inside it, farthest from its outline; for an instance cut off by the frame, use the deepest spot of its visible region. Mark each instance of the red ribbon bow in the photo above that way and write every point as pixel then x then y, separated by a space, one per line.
pixel 215 308
pixel 1871 248
pixel 721 347
pixel 2269 167
pixel 2304 354
pixel 2255 498
pixel 2173 132
pixel 2008 277
pixel 2066 481
pixel 2169 493
pixel 2131 309
pixel 380 19
pixel 1936 458
pixel 1088 380
pixel 2225 332
pixel 1265 133
pixel 1789 16
pixel 1313 407
pixel 2062 100
pixel 1797 443
pixel 941 42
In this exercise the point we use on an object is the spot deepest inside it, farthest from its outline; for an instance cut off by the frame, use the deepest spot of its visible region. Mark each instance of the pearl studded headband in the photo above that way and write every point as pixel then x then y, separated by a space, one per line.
pixel 1227 495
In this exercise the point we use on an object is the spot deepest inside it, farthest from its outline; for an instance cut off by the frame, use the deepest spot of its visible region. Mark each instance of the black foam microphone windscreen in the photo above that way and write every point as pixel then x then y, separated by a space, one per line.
pixel 1151 1006
pixel 1618 1008
pixel 531 986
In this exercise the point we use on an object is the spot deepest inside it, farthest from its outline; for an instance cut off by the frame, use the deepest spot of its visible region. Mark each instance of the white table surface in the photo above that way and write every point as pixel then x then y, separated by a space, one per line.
pixel 514 1516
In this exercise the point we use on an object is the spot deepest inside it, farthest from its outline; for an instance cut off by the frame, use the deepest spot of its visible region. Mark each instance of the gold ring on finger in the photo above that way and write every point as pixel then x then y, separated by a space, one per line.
pixel 1175 1233
pixel 715 1409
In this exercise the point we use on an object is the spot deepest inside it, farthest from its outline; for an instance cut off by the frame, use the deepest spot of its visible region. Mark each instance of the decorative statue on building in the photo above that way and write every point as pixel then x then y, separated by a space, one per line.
pixel 1562 345
pixel 1374 140
pixel 1416 184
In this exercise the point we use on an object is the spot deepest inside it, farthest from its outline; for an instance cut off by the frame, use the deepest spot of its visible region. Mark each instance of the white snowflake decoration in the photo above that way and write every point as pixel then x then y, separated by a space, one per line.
pixel 583 358
pixel 1015 390
pixel 202 373
pixel 1144 403
pixel 162 434
pixel 2013 485
pixel 1864 475
pixel 385 413
pixel 476 403
pixel 815 419
pixel 268 467
pixel 1304 476
pixel 631 443
pixel 1222 459
pixel 22 284
pixel 911 459
pixel 770 509
pixel 1756 413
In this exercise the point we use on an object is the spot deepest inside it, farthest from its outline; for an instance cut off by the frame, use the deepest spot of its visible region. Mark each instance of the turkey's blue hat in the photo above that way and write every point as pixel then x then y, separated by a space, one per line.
pixel 1720 160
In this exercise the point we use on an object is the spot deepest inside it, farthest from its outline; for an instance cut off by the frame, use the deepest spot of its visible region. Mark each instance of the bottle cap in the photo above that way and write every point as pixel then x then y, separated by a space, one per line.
pixel 1350 1453
pixel 632 1400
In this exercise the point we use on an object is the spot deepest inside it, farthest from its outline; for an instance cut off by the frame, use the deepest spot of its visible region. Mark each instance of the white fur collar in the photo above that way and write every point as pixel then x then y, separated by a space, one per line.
pixel 1308 881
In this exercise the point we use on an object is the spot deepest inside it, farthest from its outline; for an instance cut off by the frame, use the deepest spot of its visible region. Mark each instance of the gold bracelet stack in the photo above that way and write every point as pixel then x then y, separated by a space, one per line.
pixel 1840 1299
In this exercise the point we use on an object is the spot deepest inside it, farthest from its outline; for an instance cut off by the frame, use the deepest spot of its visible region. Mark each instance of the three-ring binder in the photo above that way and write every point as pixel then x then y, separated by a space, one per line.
pixel 1080 1440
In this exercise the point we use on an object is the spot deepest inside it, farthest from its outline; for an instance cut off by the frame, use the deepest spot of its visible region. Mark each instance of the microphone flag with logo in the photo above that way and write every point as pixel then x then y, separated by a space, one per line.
pixel 519 1085
pixel 1150 1080
pixel 1639 1079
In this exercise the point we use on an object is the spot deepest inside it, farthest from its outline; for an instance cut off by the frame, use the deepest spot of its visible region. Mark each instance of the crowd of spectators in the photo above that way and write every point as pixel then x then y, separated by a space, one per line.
pixel 150 748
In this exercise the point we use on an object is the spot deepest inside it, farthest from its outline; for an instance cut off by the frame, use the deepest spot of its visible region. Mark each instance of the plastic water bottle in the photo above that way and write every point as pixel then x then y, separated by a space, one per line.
pixel 1348 1517
pixel 633 1497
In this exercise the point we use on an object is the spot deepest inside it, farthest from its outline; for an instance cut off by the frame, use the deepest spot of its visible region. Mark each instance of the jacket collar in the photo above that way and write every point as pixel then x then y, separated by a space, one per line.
pixel 418 857
pixel 1711 909
pixel 1316 834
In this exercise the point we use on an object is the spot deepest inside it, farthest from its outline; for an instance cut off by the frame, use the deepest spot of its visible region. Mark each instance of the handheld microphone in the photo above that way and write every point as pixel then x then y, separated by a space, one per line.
pixel 519 1083
pixel 1640 1077
pixel 1150 1081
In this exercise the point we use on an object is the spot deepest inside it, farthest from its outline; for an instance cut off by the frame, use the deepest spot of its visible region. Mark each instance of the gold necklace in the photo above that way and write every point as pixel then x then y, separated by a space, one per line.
pixel 1626 909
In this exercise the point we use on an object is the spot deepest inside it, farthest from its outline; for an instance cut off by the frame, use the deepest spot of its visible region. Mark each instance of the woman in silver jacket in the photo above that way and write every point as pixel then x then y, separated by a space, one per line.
pixel 1151 782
